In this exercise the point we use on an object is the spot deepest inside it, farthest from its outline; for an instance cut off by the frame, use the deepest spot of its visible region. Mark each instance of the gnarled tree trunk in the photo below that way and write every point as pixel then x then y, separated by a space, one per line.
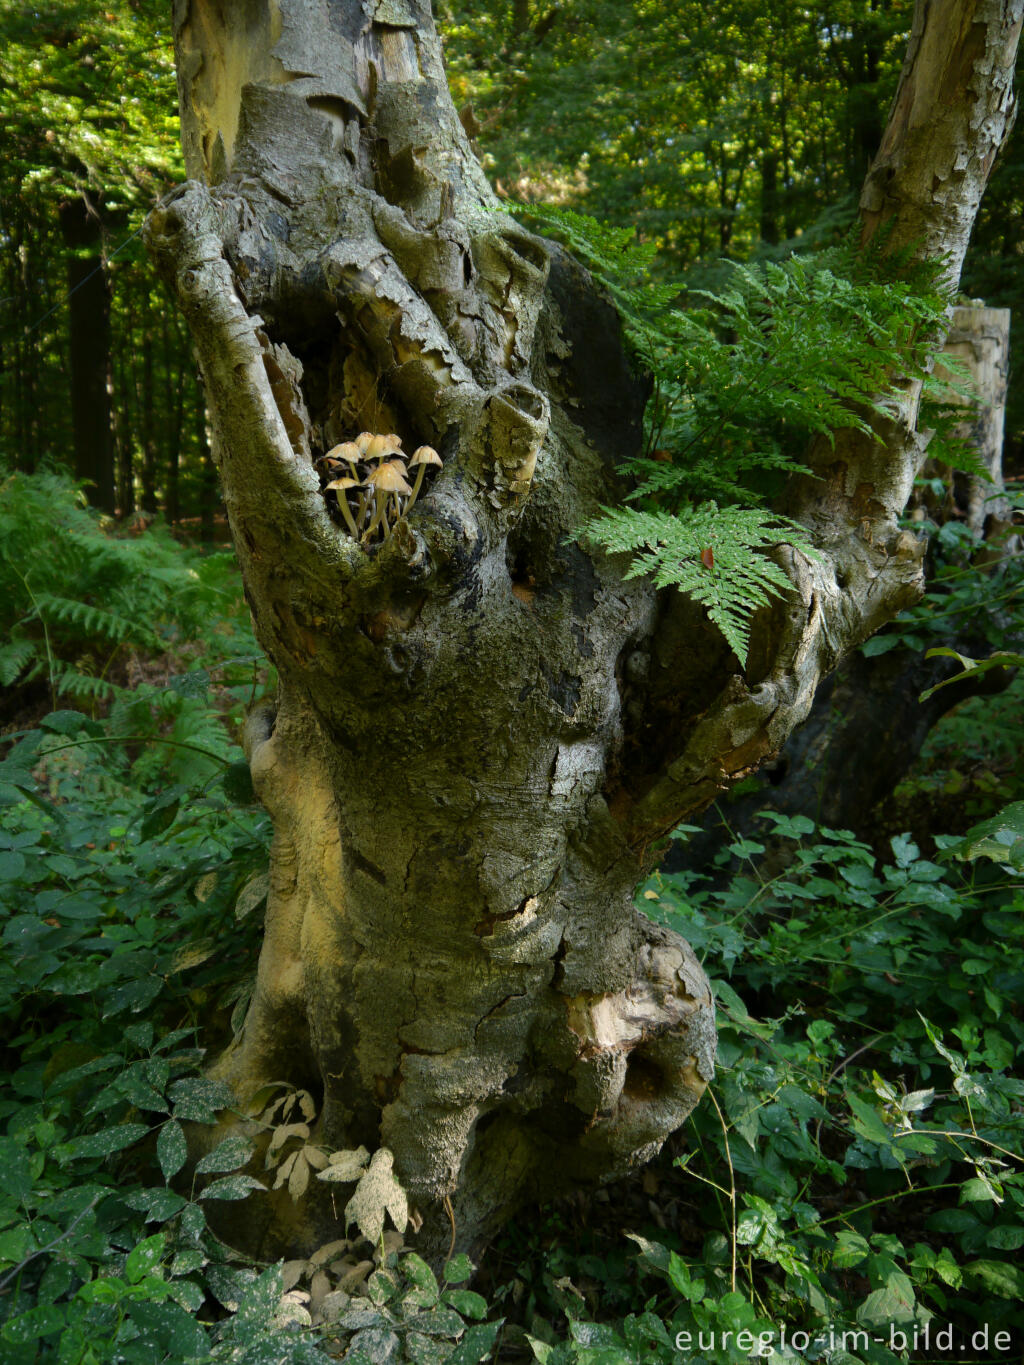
pixel 481 730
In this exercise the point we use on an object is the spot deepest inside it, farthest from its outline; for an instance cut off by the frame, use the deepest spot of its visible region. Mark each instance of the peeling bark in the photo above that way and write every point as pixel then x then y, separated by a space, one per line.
pixel 481 729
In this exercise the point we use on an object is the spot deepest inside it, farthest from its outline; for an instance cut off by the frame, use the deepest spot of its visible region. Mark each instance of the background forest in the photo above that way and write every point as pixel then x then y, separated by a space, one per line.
pixel 855 1176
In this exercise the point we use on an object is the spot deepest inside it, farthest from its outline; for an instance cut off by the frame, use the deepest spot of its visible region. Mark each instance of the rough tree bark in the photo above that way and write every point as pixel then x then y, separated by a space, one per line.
pixel 482 731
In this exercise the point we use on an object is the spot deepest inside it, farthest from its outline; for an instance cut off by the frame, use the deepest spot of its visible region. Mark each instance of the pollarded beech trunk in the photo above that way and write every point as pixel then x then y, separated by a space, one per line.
pixel 481 729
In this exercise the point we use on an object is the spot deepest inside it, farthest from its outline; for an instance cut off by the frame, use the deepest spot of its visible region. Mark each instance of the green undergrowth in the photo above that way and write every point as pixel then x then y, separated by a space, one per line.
pixel 856 1173
pixel 130 922
pixel 82 606
pixel 855 1168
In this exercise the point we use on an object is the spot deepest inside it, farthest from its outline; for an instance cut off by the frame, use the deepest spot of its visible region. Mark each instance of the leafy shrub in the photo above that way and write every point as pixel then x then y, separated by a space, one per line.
pixel 861 1154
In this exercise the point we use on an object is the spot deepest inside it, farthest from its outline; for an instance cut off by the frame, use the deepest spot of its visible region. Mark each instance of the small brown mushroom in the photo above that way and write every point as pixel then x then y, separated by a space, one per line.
pixel 363 440
pixel 380 448
pixel 424 456
pixel 346 453
pixel 340 487
pixel 387 481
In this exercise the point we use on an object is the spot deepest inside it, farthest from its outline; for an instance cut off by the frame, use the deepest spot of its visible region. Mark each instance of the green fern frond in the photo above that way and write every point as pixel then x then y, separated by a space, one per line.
pixel 15 656
pixel 716 555
pixel 93 621
pixel 70 682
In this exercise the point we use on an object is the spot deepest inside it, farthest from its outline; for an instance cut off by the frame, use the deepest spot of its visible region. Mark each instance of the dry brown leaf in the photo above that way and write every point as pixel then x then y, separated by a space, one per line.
pixel 353 1278
pixel 299 1178
pixel 291 1273
pixel 285 1170
pixel 377 1193
pixel 328 1252
pixel 281 1135
pixel 316 1158
pixel 319 1288
pixel 251 894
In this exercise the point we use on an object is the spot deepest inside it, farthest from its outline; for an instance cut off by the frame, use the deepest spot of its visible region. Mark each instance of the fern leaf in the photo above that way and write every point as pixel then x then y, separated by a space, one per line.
pixel 673 549
pixel 15 656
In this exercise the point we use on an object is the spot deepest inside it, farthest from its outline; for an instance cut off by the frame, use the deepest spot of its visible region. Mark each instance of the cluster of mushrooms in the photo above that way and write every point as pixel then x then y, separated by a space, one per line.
pixel 370 479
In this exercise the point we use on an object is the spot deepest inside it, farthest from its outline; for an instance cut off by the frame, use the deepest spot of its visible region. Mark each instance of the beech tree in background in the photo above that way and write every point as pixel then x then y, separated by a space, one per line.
pixel 482 730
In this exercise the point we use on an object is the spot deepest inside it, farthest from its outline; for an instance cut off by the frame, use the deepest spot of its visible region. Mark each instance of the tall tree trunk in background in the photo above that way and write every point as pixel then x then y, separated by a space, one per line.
pixel 124 422
pixel 148 417
pixel 980 338
pixel 89 352
pixel 482 730
pixel 174 408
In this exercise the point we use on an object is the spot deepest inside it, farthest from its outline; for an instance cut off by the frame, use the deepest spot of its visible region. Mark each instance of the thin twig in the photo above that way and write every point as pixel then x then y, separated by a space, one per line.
pixel 732 1180
pixel 16 1270
pixel 451 1218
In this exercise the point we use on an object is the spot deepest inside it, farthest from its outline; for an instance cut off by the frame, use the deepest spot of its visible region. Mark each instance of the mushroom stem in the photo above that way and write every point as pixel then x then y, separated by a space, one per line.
pixel 366 504
pixel 378 516
pixel 346 512
pixel 420 471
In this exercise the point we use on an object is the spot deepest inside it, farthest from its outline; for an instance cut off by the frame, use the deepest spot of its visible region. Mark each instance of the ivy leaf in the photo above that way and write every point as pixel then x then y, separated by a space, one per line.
pixel 197 1099
pixel 17 1168
pixel 476 1345
pixel 171 1148
pixel 232 1187
pixel 104 1143
pixel 377 1193
pixel 466 1302
pixel 144 1257
pixel 228 1155
pixel 458 1269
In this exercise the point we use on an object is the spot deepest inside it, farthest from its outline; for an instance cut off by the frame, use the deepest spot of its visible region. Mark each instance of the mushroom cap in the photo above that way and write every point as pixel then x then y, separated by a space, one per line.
pixel 338 485
pixel 426 455
pixel 395 440
pixel 363 440
pixel 389 478
pixel 348 450
pixel 380 448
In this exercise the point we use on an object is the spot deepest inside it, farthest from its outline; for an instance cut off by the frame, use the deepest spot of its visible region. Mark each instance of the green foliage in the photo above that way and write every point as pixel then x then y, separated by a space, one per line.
pixel 718 556
pixel 118 928
pixel 78 602
pixel 858 1169
pixel 126 914
pixel 710 130
pixel 102 112
pixel 972 590
pixel 88 105
pixel 741 384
